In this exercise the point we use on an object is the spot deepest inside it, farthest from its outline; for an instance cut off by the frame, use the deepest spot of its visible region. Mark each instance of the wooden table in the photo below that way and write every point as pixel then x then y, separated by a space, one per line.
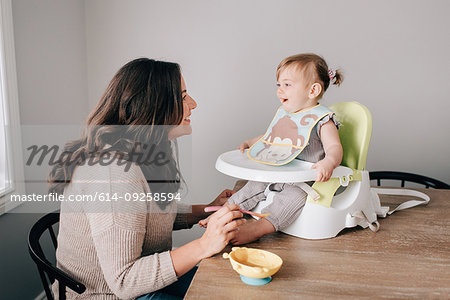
pixel 408 258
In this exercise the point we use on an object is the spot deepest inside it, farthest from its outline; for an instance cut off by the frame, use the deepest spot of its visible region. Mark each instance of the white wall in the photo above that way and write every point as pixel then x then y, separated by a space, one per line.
pixel 50 43
pixel 50 47
pixel 394 55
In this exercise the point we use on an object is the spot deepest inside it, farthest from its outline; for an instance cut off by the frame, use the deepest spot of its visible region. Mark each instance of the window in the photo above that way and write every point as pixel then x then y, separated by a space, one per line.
pixel 5 170
pixel 11 162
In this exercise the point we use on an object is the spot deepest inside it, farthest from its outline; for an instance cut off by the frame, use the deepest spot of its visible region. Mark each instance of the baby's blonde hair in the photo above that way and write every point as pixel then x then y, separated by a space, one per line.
pixel 314 69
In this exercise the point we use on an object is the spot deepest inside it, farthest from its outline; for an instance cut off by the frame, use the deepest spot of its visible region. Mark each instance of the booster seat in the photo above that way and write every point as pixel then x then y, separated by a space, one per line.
pixel 326 212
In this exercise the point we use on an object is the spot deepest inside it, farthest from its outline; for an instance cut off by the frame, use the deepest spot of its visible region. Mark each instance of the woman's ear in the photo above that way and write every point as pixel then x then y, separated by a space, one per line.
pixel 315 90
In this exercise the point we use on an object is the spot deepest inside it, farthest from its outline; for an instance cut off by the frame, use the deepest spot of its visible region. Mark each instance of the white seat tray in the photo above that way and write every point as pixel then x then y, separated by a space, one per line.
pixel 238 165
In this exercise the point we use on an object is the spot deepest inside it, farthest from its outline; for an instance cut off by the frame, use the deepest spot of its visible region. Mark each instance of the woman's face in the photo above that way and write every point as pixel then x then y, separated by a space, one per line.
pixel 188 105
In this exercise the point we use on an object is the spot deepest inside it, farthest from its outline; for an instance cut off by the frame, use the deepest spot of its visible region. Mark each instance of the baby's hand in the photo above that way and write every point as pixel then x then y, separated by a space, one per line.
pixel 244 145
pixel 248 143
pixel 324 169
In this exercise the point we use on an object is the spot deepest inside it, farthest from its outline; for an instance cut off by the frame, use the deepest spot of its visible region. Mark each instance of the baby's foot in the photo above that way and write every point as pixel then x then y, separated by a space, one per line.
pixel 252 231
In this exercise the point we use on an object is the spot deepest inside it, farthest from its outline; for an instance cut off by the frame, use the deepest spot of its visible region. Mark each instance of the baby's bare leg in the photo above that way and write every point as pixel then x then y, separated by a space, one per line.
pixel 252 231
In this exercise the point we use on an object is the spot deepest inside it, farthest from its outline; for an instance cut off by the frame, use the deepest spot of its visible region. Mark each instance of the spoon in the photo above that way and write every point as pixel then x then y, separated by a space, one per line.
pixel 215 208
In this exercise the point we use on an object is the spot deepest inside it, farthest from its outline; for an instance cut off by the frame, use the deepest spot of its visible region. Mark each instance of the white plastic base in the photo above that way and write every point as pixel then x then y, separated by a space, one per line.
pixel 319 222
pixel 316 221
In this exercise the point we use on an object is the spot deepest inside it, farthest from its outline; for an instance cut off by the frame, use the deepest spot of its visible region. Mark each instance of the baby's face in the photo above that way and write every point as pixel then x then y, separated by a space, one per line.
pixel 293 91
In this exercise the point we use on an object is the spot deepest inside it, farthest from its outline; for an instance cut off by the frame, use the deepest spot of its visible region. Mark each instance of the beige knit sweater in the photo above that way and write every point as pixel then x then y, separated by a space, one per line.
pixel 116 249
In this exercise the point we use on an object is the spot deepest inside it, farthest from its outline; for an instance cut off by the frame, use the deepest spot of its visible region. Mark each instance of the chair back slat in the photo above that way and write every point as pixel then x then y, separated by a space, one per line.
pixel 46 284
pixel 62 291
pixel 40 252
pixel 53 237
pixel 47 271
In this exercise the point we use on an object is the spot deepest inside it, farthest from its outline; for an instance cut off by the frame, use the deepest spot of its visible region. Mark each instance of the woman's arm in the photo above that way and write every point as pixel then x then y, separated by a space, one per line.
pixel 197 212
pixel 221 229
pixel 189 215
pixel 118 230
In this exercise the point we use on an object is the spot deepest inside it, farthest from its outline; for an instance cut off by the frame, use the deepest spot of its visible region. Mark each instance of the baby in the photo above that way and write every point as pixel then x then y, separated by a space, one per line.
pixel 302 129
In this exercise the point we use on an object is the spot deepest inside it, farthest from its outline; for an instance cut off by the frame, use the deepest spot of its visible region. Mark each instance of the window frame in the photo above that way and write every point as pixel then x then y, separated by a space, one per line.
pixel 12 115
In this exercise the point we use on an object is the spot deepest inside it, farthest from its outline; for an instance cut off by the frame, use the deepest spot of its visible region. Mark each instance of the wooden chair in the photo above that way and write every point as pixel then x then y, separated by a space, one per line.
pixel 48 272
pixel 407 177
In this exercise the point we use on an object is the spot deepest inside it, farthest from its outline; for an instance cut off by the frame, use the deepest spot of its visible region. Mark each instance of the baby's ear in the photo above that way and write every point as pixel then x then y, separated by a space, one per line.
pixel 315 90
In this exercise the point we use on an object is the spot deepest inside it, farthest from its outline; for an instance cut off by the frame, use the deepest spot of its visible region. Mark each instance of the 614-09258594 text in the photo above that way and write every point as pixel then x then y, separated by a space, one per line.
pixel 101 197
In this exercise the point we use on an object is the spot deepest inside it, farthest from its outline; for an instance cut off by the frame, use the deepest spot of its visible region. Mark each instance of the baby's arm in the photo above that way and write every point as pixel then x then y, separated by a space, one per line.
pixel 248 143
pixel 333 151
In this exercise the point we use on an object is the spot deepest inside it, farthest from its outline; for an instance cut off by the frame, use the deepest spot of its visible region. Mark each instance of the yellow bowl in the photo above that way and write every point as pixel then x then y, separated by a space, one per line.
pixel 253 263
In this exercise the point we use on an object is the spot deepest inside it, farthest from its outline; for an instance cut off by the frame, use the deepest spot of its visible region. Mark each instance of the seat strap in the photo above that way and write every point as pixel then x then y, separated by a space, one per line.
pixel 303 185
pixel 403 192
pixel 308 189
pixel 361 216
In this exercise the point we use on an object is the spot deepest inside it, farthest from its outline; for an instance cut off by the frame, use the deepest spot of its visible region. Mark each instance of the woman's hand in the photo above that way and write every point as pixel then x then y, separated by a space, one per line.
pixel 324 169
pixel 222 227
pixel 204 222
pixel 222 198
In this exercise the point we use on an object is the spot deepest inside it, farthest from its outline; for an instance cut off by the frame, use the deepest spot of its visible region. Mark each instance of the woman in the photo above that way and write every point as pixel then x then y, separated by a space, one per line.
pixel 119 246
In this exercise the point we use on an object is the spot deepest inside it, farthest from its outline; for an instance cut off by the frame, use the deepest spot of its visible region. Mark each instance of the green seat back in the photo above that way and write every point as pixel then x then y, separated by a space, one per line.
pixel 354 133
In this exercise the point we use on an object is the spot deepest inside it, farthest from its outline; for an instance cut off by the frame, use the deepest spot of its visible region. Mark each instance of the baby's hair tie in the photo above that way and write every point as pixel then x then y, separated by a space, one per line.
pixel 332 75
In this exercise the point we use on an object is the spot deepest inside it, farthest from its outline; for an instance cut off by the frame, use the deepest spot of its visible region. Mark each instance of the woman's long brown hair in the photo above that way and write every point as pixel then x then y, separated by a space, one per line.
pixel 142 92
